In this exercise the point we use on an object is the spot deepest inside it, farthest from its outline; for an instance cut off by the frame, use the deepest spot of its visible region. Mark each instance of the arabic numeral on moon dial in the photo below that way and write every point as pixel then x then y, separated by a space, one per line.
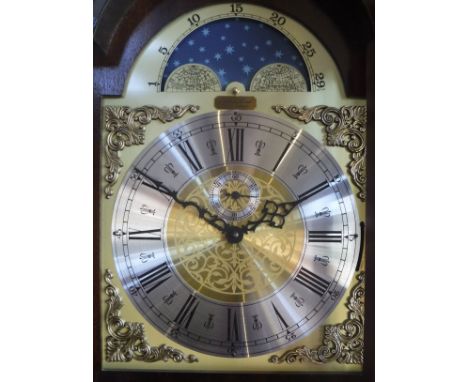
pixel 194 19
pixel 308 49
pixel 236 8
pixel 277 19
pixel 319 80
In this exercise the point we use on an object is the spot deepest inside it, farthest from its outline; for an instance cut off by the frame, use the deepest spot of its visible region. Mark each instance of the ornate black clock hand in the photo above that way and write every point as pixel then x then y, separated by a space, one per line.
pixel 203 213
pixel 274 214
pixel 236 195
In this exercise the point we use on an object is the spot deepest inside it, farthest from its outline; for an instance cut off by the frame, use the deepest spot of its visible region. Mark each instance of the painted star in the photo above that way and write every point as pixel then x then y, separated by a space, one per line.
pixel 176 63
pixel 268 42
pixel 223 38
pixel 262 59
pixel 241 59
pixel 190 59
pixel 279 54
pixel 217 56
pixel 246 69
pixel 202 49
pixel 246 27
pixel 229 49
pixel 294 58
pixel 205 32
pixel 244 44
pixel 221 72
pixel 256 47
pixel 191 42
pixel 207 61
pixel 227 26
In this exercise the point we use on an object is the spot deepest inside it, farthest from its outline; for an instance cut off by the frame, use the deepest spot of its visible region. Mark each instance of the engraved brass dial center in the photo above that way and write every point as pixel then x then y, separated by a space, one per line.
pixel 234 267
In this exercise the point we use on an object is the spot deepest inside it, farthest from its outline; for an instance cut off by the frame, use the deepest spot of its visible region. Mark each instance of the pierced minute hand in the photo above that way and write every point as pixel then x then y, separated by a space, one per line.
pixel 274 214
pixel 203 213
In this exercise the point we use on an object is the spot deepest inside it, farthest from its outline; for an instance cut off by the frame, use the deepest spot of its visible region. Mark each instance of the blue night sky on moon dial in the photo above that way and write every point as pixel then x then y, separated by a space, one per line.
pixel 235 49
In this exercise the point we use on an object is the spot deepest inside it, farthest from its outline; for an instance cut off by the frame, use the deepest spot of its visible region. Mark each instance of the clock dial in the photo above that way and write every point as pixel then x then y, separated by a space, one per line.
pixel 210 48
pixel 244 285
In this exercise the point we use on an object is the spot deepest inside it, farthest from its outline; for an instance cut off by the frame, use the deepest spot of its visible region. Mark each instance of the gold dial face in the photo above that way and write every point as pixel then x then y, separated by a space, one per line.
pixel 244 272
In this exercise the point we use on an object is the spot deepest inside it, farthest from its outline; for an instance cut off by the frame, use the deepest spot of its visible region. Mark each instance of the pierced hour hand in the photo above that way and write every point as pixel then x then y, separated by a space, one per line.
pixel 203 213
pixel 274 214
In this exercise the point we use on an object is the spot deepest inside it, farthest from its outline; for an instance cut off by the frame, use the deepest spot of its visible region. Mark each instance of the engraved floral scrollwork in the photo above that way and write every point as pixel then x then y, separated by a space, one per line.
pixel 342 342
pixel 237 273
pixel 126 127
pixel 127 341
pixel 345 127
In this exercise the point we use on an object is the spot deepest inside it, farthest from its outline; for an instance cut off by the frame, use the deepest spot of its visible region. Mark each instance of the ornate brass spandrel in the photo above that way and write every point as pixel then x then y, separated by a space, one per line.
pixel 127 341
pixel 345 127
pixel 342 342
pixel 125 127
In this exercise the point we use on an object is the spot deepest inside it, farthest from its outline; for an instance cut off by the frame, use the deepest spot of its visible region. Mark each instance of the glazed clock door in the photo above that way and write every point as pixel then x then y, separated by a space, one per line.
pixel 232 200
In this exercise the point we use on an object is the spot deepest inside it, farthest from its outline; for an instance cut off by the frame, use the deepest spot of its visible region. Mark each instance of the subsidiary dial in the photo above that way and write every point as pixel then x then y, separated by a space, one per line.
pixel 234 195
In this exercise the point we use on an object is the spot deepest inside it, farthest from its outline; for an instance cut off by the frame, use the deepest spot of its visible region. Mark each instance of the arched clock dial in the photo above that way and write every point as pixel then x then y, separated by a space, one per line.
pixel 204 256
pixel 212 47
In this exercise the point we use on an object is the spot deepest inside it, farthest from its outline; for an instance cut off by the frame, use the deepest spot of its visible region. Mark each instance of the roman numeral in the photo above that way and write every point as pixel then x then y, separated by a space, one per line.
pixel 150 234
pixel 284 325
pixel 190 155
pixel 314 190
pixel 232 326
pixel 236 144
pixel 187 311
pixel 155 277
pixel 324 236
pixel 313 282
pixel 282 156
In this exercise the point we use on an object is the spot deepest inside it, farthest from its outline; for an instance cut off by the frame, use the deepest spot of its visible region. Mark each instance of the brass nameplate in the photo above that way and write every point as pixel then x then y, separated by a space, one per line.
pixel 235 102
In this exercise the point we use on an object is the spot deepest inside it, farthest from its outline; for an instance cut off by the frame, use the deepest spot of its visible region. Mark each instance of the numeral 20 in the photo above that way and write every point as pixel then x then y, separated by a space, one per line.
pixel 277 19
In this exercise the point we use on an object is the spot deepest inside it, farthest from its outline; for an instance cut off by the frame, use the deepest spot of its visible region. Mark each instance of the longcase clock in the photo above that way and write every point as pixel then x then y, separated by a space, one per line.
pixel 233 189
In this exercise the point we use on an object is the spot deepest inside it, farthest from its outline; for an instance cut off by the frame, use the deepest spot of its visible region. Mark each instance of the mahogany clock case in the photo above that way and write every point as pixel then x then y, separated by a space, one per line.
pixel 344 27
